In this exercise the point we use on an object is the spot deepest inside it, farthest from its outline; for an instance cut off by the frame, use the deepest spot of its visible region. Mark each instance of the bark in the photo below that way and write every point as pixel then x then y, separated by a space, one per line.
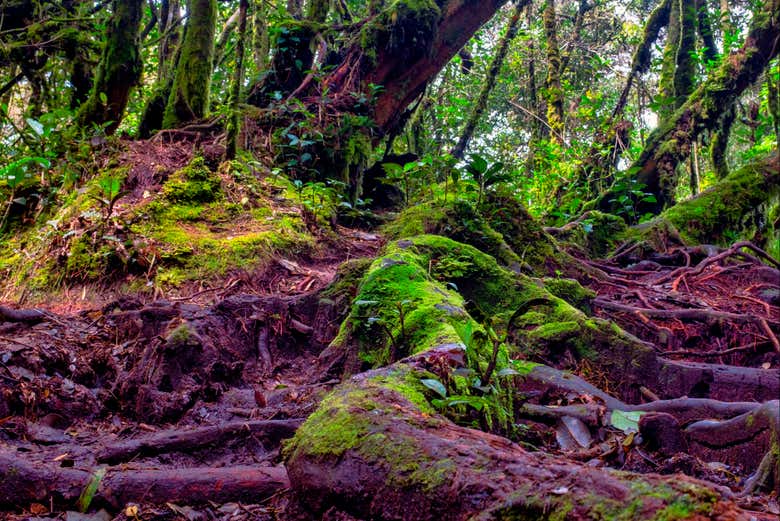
pixel 269 431
pixel 261 43
pixel 719 142
pixel 671 142
pixel 168 28
pixel 668 65
pixel 189 96
pixel 28 316
pixel 119 70
pixel 234 125
pixel 685 66
pixel 402 67
pixel 490 80
pixel 27 481
pixel 553 92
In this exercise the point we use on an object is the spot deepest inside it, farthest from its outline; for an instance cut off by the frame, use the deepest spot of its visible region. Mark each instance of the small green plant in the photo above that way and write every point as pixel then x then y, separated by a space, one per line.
pixel 110 193
pixel 485 175
pixel 627 195
pixel 15 175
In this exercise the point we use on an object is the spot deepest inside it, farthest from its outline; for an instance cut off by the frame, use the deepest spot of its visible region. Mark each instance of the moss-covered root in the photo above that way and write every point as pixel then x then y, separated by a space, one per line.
pixel 376 450
pixel 504 229
pixel 736 207
pixel 424 290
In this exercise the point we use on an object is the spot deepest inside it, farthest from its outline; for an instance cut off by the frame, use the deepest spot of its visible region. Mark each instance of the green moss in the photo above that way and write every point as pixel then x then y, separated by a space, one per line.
pixel 336 426
pixel 571 291
pixel 360 419
pixel 194 183
pixel 405 28
pixel 458 221
pixel 736 207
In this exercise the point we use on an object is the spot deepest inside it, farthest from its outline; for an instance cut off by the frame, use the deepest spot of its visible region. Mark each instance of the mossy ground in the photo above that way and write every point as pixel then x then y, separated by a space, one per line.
pixel 199 225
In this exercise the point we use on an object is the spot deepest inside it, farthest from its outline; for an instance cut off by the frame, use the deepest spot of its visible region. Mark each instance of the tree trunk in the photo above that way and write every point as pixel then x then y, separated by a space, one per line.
pixel 293 56
pixel 119 70
pixel 490 80
pixel 404 48
pixel 189 96
pixel 553 92
pixel 376 450
pixel 234 125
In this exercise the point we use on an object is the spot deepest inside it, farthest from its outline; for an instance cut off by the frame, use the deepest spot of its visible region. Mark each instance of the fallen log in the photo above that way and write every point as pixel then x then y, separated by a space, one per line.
pixel 173 440
pixel 26 481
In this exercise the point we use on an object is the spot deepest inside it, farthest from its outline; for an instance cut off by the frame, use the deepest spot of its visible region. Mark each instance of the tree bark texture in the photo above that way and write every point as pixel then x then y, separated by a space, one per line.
pixel 189 96
pixel 119 70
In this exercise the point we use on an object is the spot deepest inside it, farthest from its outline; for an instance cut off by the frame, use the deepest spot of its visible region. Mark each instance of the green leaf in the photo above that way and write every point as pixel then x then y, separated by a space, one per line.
pixel 435 386
pixel 626 421
pixel 91 489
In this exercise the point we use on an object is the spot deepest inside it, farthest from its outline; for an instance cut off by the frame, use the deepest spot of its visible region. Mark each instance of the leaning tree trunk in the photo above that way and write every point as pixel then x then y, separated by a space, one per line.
pixel 671 143
pixel 402 49
pixel 119 70
pixel 189 96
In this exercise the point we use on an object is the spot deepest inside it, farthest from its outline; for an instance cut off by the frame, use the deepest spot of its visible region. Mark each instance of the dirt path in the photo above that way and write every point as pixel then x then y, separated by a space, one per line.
pixel 179 406
pixel 146 398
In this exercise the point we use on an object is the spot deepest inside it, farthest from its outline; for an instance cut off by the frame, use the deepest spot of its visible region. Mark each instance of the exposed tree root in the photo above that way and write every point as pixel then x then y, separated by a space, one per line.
pixel 437 464
pixel 27 316
pixel 271 432
pixel 26 481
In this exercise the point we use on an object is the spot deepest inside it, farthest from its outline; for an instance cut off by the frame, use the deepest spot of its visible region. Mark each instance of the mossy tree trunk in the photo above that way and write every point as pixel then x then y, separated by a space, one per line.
pixel 189 96
pixel 168 53
pixel 119 69
pixel 490 81
pixel 670 144
pixel 261 42
pixel 553 92
pixel 402 49
pixel 234 126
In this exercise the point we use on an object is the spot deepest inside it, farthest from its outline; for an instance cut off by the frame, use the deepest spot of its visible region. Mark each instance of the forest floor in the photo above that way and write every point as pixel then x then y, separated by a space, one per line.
pixel 150 400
